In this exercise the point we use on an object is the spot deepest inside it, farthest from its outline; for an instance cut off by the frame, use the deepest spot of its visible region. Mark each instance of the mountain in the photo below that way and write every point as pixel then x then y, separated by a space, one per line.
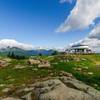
pixel 18 51
pixel 9 45
pixel 41 51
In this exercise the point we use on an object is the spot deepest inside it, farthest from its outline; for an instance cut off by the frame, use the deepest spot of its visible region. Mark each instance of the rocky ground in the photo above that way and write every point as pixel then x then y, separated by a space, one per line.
pixel 50 78
pixel 56 88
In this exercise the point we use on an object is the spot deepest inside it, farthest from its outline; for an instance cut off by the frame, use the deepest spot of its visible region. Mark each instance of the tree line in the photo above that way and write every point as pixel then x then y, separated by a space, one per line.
pixel 15 56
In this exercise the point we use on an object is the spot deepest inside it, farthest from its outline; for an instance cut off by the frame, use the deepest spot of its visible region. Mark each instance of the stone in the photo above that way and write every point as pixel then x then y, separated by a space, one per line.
pixel 78 69
pixel 6 90
pixel 11 98
pixel 65 87
pixel 3 63
pixel 28 96
pixel 90 73
pixel 44 65
pixel 63 73
pixel 55 89
pixel 33 61
pixel 9 90
pixel 19 67
pixel 7 59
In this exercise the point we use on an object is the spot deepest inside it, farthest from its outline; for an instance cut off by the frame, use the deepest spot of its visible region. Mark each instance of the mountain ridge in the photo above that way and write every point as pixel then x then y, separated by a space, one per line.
pixel 18 51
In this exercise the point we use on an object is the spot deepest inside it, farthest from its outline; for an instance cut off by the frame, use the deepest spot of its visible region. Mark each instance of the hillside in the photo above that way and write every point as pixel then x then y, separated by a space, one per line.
pixel 15 73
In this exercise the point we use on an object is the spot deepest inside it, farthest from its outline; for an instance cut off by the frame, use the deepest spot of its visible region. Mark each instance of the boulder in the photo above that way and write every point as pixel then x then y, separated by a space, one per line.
pixel 3 63
pixel 33 61
pixel 78 85
pixel 44 65
pixel 55 89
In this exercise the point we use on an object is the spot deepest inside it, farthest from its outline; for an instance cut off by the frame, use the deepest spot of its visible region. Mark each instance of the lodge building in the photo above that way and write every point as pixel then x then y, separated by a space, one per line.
pixel 80 49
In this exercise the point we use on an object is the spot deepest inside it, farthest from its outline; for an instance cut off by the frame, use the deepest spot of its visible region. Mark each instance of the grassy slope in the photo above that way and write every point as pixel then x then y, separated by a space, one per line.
pixel 27 75
pixel 91 62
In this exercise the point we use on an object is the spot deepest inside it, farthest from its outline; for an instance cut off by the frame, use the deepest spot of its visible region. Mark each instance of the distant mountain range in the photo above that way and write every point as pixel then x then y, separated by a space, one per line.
pixel 18 51
pixel 9 45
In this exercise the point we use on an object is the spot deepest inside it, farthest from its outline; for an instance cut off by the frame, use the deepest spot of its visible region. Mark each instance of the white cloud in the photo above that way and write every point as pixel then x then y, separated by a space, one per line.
pixel 95 33
pixel 93 40
pixel 82 15
pixel 12 43
pixel 94 44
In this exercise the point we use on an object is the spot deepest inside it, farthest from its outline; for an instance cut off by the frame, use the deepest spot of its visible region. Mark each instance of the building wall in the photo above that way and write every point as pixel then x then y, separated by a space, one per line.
pixel 84 51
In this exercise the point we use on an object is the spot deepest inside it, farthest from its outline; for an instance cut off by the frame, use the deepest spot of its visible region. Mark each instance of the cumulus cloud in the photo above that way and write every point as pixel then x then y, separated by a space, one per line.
pixel 82 15
pixel 12 43
pixel 88 41
pixel 95 33
pixel 93 40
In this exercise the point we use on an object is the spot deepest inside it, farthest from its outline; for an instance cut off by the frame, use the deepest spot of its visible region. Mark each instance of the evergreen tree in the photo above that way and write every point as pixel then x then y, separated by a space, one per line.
pixel 54 53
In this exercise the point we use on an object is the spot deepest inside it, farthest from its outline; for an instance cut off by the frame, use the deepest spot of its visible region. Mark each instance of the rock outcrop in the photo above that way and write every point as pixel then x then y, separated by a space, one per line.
pixel 60 88
pixel 66 89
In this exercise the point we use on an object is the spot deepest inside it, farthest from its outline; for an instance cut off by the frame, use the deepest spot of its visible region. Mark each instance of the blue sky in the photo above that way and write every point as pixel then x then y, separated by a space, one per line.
pixel 35 22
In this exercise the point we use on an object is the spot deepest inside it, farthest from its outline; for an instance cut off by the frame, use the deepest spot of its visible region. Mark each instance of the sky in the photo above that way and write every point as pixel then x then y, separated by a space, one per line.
pixel 49 23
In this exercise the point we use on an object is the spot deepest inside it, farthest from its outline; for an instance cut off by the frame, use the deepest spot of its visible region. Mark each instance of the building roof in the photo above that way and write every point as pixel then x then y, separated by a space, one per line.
pixel 80 47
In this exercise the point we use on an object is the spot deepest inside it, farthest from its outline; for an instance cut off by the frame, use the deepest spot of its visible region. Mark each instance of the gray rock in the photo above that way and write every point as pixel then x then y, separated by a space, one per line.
pixel 6 90
pixel 55 89
pixel 20 67
pixel 28 96
pixel 10 98
pixel 4 63
pixel 59 88
pixel 76 84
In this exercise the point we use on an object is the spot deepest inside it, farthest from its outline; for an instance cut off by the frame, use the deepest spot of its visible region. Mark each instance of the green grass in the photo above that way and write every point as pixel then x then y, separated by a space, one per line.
pixel 17 77
pixel 29 74
pixel 90 62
